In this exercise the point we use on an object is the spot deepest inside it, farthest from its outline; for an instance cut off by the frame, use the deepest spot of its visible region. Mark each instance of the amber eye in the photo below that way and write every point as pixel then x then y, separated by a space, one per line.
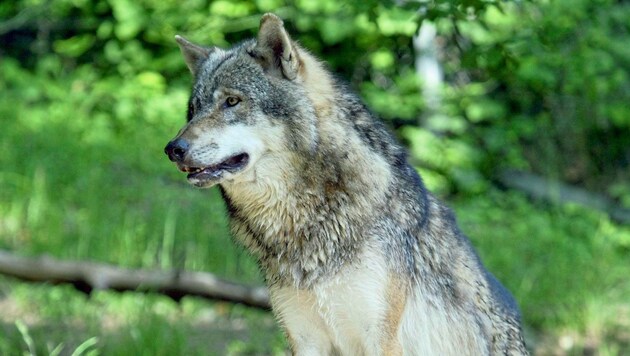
pixel 232 101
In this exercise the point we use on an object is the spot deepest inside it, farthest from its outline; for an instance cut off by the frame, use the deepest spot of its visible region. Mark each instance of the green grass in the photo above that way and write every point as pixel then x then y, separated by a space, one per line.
pixel 85 182
pixel 567 266
pixel 129 324
pixel 84 177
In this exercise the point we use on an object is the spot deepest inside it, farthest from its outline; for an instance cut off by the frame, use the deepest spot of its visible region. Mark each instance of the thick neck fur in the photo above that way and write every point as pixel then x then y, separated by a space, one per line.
pixel 305 214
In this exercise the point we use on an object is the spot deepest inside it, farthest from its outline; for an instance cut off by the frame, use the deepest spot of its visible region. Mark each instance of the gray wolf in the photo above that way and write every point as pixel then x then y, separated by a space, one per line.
pixel 359 257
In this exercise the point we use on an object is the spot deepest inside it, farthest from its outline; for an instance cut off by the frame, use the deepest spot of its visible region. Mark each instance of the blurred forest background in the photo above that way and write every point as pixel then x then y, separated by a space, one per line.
pixel 495 100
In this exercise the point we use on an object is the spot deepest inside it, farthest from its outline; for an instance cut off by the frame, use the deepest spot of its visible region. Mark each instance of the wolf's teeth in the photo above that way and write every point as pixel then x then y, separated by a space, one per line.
pixel 192 169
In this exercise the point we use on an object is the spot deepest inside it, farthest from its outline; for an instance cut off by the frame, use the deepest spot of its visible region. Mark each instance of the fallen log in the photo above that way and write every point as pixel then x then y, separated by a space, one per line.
pixel 89 276
pixel 557 192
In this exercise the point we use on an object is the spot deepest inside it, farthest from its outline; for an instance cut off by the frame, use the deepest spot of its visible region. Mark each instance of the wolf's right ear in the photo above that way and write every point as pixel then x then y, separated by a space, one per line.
pixel 193 54
pixel 274 49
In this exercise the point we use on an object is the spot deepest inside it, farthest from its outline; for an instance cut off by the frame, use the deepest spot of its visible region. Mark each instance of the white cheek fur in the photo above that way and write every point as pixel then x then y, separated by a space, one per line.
pixel 214 145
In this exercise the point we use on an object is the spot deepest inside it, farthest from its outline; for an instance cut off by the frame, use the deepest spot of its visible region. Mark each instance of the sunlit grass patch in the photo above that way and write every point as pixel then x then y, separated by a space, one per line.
pixel 39 319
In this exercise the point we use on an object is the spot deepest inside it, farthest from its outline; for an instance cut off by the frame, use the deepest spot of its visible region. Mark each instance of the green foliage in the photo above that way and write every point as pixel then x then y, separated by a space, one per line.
pixel 92 90
pixel 547 87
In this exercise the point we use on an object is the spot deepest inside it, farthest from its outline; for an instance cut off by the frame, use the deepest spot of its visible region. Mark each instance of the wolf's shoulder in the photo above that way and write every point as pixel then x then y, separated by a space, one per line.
pixel 371 129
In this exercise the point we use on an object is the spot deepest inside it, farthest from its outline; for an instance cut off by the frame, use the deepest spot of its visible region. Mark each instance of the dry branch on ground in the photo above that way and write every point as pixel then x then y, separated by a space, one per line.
pixel 88 276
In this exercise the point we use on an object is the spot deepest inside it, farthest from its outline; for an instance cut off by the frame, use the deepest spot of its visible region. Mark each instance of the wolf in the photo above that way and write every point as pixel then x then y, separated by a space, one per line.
pixel 359 258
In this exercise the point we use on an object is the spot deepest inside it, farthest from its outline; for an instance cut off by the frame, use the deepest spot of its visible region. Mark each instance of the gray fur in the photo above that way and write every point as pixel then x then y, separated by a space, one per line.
pixel 332 214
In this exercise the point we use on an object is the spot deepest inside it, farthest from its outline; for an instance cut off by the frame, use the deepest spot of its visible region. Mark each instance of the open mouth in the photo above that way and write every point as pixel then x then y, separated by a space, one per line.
pixel 201 175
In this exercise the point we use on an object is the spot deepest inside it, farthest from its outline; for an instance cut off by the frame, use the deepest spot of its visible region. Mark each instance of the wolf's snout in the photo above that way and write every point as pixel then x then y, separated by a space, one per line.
pixel 176 150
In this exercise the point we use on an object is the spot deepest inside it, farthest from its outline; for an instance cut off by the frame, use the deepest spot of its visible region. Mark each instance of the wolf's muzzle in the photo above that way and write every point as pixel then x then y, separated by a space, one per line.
pixel 176 150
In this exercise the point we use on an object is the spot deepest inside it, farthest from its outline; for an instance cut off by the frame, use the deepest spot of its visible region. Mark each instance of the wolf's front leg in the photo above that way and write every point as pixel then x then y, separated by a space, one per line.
pixel 309 343
pixel 299 315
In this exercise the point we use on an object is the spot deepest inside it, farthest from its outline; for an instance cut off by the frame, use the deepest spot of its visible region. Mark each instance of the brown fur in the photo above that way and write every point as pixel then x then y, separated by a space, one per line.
pixel 397 299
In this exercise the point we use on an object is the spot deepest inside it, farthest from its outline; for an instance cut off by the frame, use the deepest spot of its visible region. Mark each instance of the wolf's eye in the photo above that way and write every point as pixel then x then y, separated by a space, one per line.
pixel 232 101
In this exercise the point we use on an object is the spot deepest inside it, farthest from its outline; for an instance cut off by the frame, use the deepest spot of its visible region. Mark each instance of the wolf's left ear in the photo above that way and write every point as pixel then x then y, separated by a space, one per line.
pixel 274 48
pixel 193 54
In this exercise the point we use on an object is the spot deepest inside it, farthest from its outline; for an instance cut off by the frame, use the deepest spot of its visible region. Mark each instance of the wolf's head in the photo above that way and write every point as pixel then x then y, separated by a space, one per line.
pixel 248 102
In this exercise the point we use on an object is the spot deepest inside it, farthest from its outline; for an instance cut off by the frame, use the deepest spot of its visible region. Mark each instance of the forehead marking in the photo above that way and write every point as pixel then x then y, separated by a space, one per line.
pixel 205 84
pixel 215 60
pixel 206 81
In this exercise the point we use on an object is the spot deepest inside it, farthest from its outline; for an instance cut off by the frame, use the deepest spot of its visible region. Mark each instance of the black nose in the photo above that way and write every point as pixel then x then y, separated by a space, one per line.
pixel 176 150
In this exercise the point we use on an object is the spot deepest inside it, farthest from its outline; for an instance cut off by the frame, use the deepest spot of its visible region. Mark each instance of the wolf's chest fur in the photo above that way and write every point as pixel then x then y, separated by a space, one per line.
pixel 300 226
pixel 365 310
pixel 360 259
pixel 342 280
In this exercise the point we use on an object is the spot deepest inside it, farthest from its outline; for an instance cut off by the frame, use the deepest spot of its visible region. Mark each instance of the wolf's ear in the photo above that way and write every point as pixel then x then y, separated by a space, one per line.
pixel 193 54
pixel 274 48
